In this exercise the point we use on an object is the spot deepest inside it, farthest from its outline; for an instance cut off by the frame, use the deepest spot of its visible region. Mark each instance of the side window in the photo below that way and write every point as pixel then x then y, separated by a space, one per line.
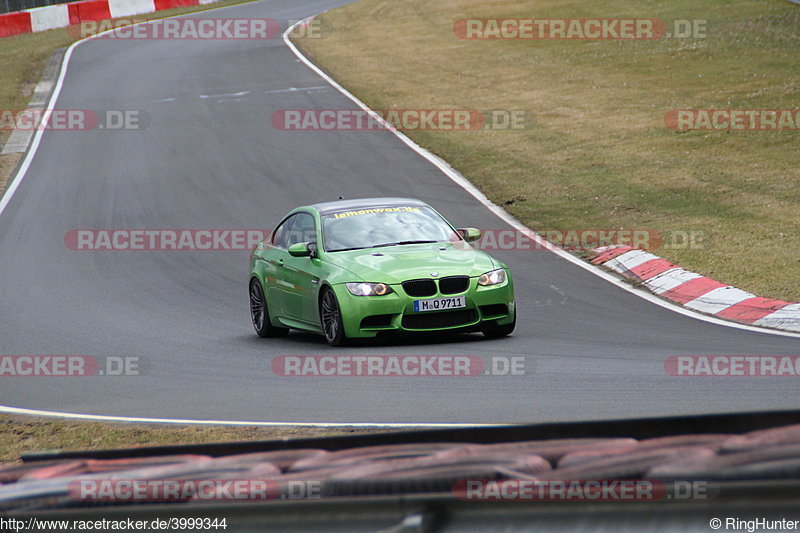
pixel 303 230
pixel 280 237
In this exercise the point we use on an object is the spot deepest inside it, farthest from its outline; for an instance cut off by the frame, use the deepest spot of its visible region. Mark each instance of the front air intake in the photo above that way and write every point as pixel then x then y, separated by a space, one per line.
pixel 420 287
pixel 443 319
pixel 453 284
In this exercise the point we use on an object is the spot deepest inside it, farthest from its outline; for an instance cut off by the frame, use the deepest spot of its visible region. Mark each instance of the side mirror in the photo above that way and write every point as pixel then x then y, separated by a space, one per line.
pixel 470 234
pixel 303 249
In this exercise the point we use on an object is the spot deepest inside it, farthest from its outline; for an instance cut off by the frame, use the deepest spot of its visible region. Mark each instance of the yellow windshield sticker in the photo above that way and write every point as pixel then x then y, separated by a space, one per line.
pixel 375 210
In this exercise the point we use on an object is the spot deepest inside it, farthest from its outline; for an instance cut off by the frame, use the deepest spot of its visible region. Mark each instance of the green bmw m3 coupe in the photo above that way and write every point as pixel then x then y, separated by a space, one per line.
pixel 359 268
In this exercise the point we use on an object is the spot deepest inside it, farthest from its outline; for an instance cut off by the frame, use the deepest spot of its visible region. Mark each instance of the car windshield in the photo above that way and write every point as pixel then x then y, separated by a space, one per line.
pixel 384 226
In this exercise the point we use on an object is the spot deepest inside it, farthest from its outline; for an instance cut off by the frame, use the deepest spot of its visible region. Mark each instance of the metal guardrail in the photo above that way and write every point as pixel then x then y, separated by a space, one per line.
pixel 641 428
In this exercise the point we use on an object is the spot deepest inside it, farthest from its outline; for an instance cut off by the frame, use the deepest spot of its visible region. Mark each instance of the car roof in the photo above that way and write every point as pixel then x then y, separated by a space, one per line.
pixel 325 208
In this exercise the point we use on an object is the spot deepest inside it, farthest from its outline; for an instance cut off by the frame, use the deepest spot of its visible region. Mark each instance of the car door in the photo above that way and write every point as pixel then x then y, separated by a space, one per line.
pixel 301 274
pixel 273 259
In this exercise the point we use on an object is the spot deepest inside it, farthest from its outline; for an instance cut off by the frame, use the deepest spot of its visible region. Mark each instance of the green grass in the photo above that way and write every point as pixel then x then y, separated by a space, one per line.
pixel 20 435
pixel 595 152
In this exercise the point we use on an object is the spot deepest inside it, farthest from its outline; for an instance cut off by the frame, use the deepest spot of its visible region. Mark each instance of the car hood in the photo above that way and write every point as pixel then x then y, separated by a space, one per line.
pixel 395 264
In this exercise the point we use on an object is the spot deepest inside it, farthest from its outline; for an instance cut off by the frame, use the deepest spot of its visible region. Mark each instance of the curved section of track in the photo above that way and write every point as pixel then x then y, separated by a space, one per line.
pixel 211 159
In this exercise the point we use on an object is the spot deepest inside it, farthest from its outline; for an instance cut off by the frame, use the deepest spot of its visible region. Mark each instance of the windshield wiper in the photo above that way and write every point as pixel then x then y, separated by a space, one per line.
pixel 403 242
pixel 348 249
pixel 381 245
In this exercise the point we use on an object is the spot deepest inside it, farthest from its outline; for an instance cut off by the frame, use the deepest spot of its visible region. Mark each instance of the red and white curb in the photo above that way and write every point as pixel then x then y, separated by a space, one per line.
pixel 72 13
pixel 698 292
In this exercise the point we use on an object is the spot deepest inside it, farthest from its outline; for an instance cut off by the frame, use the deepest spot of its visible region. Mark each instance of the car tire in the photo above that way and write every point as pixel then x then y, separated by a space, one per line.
pixel 495 332
pixel 259 313
pixel 330 318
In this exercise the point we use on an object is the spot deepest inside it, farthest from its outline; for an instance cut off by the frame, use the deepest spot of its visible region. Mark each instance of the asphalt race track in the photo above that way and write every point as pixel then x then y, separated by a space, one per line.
pixel 210 158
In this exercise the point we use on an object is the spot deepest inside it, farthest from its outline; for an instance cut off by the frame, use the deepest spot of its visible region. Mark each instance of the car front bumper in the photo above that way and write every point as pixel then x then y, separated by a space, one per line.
pixel 368 316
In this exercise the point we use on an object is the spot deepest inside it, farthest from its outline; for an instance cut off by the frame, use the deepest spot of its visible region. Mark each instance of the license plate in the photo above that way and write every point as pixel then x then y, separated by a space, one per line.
pixel 440 304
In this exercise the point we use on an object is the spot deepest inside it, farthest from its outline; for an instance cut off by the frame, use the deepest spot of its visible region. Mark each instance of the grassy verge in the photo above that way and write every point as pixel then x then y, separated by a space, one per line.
pixel 596 153
pixel 8 162
pixel 20 435
pixel 23 58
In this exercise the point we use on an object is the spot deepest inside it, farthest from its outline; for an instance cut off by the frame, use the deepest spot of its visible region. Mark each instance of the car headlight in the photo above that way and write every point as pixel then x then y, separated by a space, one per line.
pixel 368 289
pixel 492 278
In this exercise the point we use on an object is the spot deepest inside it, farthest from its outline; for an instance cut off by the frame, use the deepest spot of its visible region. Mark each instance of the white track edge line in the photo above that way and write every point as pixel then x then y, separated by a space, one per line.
pixel 460 180
pixel 9 193
pixel 439 163
pixel 30 153
pixel 147 420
